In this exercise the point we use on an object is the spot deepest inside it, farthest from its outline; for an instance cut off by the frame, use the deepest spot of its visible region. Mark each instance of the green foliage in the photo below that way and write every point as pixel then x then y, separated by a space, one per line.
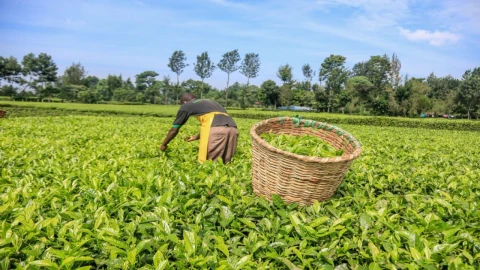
pixel 377 70
pixel 8 91
pixel 360 87
pixel 250 66
pixel 10 69
pixel 170 111
pixel 204 68
pixel 40 70
pixel 270 93
pixel 285 74
pixel 308 73
pixel 145 80
pixel 228 63
pixel 334 73
pixel 74 74
pixel 5 98
pixel 306 145
pixel 90 81
pixel 469 95
pixel 442 86
pixel 176 63
pixel 95 192
pixel 195 86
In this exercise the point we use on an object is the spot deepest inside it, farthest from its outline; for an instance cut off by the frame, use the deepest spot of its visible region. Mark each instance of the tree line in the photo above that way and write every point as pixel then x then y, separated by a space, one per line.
pixel 372 87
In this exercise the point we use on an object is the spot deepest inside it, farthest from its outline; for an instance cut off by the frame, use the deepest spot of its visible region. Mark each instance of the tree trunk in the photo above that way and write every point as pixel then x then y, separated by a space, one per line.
pixel 178 86
pixel 245 93
pixel 201 91
pixel 226 90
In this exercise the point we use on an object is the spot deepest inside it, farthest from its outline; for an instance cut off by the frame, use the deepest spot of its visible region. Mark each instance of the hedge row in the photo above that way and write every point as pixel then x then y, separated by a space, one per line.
pixel 469 125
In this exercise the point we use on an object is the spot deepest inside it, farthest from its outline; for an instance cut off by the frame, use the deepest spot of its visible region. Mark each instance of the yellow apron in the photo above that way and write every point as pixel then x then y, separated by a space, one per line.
pixel 206 123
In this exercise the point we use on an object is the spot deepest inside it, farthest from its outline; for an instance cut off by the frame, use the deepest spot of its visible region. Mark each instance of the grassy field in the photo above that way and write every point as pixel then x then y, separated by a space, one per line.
pixel 170 111
pixel 88 192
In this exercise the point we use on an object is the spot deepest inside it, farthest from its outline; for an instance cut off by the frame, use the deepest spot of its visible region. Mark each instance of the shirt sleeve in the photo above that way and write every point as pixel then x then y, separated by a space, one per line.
pixel 181 119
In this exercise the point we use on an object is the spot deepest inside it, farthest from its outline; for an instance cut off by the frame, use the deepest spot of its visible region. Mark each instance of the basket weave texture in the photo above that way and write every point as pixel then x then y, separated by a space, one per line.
pixel 2 113
pixel 297 178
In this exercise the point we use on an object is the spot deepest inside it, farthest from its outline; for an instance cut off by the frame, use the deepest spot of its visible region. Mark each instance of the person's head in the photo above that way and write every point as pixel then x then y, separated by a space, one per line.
pixel 187 97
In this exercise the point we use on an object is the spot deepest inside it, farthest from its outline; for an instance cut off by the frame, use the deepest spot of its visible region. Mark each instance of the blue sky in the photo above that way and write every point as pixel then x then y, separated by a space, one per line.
pixel 130 36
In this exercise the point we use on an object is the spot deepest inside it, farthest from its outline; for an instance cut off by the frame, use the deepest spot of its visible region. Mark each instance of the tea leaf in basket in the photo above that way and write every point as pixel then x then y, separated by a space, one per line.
pixel 306 145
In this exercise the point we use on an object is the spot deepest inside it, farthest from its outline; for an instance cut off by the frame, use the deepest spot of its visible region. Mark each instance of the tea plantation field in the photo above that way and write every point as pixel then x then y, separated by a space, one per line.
pixel 16 108
pixel 89 192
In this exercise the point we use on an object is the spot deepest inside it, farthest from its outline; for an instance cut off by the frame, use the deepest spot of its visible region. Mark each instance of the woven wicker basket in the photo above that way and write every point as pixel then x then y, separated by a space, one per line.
pixel 2 113
pixel 297 178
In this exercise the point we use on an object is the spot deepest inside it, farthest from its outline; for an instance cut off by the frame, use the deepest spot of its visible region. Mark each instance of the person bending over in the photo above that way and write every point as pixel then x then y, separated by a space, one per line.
pixel 218 131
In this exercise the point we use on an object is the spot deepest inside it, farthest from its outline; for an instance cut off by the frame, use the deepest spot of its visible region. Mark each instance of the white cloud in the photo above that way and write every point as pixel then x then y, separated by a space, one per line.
pixel 462 15
pixel 371 14
pixel 436 38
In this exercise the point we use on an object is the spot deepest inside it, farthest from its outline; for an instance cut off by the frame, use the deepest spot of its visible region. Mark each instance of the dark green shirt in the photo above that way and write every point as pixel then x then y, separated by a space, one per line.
pixel 199 107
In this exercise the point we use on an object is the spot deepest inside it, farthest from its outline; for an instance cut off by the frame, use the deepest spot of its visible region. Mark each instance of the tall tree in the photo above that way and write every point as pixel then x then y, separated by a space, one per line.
pixel 250 66
pixel 47 69
pixel 2 69
pixel 114 82
pixel 413 98
pixel 128 84
pixel 10 70
pixel 308 73
pixel 145 80
pixel 361 88
pixel 270 92
pixel 228 64
pixel 40 69
pixel 91 81
pixel 441 86
pixel 104 93
pixel 30 70
pixel 394 75
pixel 377 69
pixel 285 74
pixel 285 95
pixel 74 74
pixel 469 95
pixel 194 86
pixel 176 63
pixel 204 68
pixel 166 85
pixel 334 73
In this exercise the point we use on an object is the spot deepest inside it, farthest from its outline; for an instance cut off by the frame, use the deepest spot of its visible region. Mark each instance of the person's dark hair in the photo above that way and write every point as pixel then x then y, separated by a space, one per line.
pixel 187 97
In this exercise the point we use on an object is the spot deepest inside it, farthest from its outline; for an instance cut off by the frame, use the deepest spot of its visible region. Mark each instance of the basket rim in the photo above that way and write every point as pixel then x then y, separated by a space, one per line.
pixel 312 159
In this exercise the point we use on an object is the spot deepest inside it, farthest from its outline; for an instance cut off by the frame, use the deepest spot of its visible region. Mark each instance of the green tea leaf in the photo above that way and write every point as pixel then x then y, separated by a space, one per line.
pixel 189 242
pixel 288 263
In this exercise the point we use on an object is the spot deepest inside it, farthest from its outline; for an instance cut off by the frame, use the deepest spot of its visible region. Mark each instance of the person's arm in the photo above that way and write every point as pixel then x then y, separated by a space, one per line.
pixel 182 117
pixel 170 136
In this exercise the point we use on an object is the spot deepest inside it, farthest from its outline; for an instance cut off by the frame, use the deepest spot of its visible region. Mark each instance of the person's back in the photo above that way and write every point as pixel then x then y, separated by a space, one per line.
pixel 199 107
pixel 218 132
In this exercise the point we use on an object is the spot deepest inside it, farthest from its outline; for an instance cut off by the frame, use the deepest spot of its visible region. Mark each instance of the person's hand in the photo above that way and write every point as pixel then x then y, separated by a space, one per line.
pixel 163 147
pixel 190 139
